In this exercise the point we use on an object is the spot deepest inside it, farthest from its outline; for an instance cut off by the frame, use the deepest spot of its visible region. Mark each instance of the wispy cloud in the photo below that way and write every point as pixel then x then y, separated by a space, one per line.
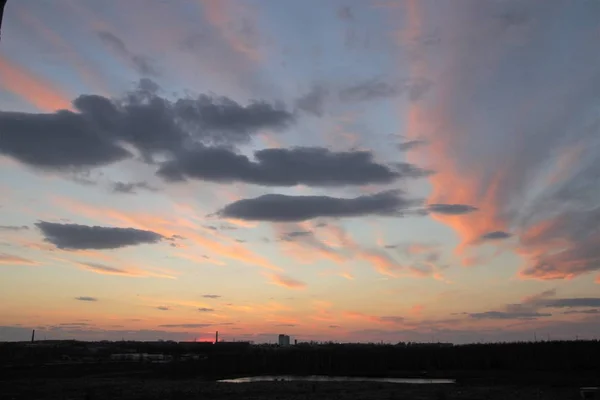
pixel 286 281
pixel 9 259
pixel 142 64
pixel 31 88
pixel 86 298
pixel 126 272
pixel 14 228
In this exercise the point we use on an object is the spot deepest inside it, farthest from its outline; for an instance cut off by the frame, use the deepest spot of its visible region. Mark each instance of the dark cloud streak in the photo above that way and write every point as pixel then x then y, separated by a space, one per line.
pixel 284 208
pixel 451 209
pixel 508 315
pixel 86 298
pixel 131 187
pixel 14 228
pixel 496 235
pixel 141 64
pixel 79 237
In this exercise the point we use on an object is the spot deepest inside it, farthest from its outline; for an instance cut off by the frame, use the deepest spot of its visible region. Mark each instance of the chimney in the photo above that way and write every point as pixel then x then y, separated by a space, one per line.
pixel 33 336
pixel 217 337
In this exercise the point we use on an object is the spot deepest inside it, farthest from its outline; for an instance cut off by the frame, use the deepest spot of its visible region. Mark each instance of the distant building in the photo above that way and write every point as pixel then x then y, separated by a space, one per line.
pixel 284 340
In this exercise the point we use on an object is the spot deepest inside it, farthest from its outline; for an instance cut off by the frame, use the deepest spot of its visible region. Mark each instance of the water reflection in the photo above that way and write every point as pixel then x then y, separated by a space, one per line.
pixel 319 378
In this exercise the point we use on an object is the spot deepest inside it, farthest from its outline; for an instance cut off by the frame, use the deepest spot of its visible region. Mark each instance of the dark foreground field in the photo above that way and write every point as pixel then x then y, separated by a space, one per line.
pixel 130 389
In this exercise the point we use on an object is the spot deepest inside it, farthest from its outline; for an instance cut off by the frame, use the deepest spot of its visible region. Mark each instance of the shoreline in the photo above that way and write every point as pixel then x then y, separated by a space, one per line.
pixel 138 388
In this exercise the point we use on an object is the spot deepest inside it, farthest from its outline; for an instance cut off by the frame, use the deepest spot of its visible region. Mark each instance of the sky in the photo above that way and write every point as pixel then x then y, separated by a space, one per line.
pixel 354 171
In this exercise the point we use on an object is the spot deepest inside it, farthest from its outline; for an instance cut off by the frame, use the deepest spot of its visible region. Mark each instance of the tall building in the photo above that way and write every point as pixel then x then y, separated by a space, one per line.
pixel 284 340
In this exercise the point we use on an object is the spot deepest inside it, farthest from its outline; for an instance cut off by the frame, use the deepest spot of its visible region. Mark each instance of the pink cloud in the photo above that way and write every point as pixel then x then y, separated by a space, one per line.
pixel 286 281
pixel 9 259
pixel 31 88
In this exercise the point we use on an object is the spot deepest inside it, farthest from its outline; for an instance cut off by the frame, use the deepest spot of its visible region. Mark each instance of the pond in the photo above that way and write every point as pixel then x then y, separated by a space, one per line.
pixel 320 378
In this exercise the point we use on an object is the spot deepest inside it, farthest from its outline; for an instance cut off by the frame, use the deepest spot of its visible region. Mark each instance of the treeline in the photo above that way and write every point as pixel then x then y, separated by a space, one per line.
pixel 556 358
pixel 392 359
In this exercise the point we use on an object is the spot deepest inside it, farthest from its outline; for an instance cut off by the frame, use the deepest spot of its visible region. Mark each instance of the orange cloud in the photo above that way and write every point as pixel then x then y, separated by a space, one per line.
pixel 417 309
pixel 322 311
pixel 129 272
pixel 33 89
pixel 450 184
pixel 465 145
pixel 347 275
pixel 286 281
pixel 222 14
pixel 34 245
pixel 381 261
pixel 8 259
pixel 172 303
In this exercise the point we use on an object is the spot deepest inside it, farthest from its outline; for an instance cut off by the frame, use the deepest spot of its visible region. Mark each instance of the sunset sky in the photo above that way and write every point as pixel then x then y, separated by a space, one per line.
pixel 369 170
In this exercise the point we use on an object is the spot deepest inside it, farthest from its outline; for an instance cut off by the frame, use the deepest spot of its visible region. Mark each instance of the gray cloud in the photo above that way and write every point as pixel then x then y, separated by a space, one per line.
pixel 211 296
pixel 589 311
pixel 574 302
pixel 417 89
pixel 334 326
pixel 101 268
pixel 282 208
pixel 313 102
pixel 411 144
pixel 131 187
pixel 451 209
pixel 92 136
pixel 141 64
pixel 369 90
pixel 204 309
pixel 74 236
pixel 13 228
pixel 496 235
pixel 290 236
pixel 86 298
pixel 345 13
pixel 531 307
pixel 58 141
pixel 316 99
pixel 311 166
pixel 286 325
pixel 508 315
pixel 539 299
pixel 224 115
pixel 163 308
